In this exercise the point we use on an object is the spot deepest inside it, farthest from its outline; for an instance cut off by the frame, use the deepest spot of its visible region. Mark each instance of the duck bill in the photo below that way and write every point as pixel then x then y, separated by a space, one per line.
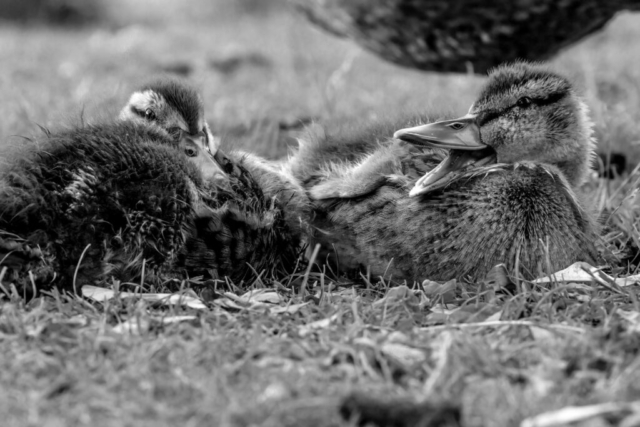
pixel 213 142
pixel 457 134
pixel 453 167
pixel 210 169
pixel 462 137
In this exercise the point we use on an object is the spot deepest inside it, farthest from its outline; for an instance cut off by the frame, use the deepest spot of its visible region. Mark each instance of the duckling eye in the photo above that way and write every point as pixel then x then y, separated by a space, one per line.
pixel 191 151
pixel 227 165
pixel 524 102
pixel 456 126
pixel 149 114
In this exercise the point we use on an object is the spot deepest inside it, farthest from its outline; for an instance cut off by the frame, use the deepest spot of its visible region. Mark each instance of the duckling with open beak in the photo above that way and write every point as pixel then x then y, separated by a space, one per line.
pixel 537 119
pixel 506 193
pixel 462 137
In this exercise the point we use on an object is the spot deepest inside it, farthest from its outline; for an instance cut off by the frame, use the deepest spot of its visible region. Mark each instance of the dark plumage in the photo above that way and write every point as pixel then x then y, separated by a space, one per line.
pixel 506 193
pixel 122 192
pixel 130 199
pixel 462 35
pixel 244 227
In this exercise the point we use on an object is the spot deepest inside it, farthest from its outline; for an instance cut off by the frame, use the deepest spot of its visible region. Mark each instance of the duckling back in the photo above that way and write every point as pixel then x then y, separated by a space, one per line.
pixel 99 199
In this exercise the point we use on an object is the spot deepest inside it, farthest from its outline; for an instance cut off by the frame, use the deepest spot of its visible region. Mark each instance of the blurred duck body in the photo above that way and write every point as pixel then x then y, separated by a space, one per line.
pixel 462 35
pixel 504 192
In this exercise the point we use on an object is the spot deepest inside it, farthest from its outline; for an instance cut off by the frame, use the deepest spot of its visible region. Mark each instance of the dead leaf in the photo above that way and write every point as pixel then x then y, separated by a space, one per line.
pixel 447 290
pixel 582 272
pixel 169 320
pixel 291 308
pixel 307 329
pixel 499 277
pixel 97 294
pixel 228 304
pixel 261 295
pixel 175 299
pixel 274 392
pixel 187 298
pixel 542 334
pixel 632 317
pixel 135 326
pixel 574 273
pixel 494 317
pixel 397 294
pixel 628 281
pixel 403 354
pixel 572 414
pixel 140 325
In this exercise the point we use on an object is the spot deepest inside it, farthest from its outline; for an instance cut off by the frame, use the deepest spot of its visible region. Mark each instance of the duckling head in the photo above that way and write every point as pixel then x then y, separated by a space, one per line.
pixel 525 113
pixel 175 108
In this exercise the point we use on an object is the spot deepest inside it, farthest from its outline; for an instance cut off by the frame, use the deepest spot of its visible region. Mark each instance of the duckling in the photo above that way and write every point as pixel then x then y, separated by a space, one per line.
pixel 506 193
pixel 97 201
pixel 462 35
pixel 126 200
pixel 175 107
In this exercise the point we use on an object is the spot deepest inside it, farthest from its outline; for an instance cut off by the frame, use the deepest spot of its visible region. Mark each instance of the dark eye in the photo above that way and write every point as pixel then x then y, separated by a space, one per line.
pixel 524 102
pixel 227 166
pixel 191 151
pixel 149 114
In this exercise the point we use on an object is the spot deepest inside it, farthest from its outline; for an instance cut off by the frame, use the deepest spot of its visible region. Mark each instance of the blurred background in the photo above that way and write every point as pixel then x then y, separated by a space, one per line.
pixel 263 70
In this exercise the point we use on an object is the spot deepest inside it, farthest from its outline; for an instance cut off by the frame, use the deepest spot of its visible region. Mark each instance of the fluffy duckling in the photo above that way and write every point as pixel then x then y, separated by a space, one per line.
pixel 127 200
pixel 255 189
pixel 97 201
pixel 506 193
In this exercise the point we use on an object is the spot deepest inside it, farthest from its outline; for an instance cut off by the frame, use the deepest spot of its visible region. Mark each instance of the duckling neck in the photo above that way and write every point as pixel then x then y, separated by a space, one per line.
pixel 576 170
pixel 577 160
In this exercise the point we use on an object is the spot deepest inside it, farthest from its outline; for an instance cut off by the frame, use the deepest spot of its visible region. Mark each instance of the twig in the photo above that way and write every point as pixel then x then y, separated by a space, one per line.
pixel 306 273
pixel 503 323
pixel 75 273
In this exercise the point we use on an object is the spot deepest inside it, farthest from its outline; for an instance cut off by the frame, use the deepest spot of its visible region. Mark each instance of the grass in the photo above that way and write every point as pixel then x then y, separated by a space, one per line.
pixel 458 348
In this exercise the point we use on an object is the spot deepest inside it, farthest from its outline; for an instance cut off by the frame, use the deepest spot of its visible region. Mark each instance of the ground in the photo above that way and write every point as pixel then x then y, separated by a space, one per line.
pixel 467 351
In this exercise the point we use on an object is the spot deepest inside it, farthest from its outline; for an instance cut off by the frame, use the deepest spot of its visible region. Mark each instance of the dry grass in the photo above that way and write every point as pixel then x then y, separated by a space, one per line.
pixel 65 363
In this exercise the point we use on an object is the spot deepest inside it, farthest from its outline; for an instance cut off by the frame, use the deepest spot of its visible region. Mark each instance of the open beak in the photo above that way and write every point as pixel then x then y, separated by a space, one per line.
pixel 462 137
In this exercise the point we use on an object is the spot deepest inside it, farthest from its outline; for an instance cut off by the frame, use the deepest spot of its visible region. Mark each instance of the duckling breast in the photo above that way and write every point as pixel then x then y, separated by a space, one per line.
pixel 518 215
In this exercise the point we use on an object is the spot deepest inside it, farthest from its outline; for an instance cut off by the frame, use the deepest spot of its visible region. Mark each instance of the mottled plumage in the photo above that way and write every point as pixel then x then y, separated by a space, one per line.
pixel 462 35
pixel 131 199
pixel 511 198
pixel 100 199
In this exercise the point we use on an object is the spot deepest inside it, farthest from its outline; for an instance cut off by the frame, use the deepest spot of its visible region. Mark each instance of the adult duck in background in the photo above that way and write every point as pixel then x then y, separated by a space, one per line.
pixel 506 193
pixel 462 35
pixel 138 198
